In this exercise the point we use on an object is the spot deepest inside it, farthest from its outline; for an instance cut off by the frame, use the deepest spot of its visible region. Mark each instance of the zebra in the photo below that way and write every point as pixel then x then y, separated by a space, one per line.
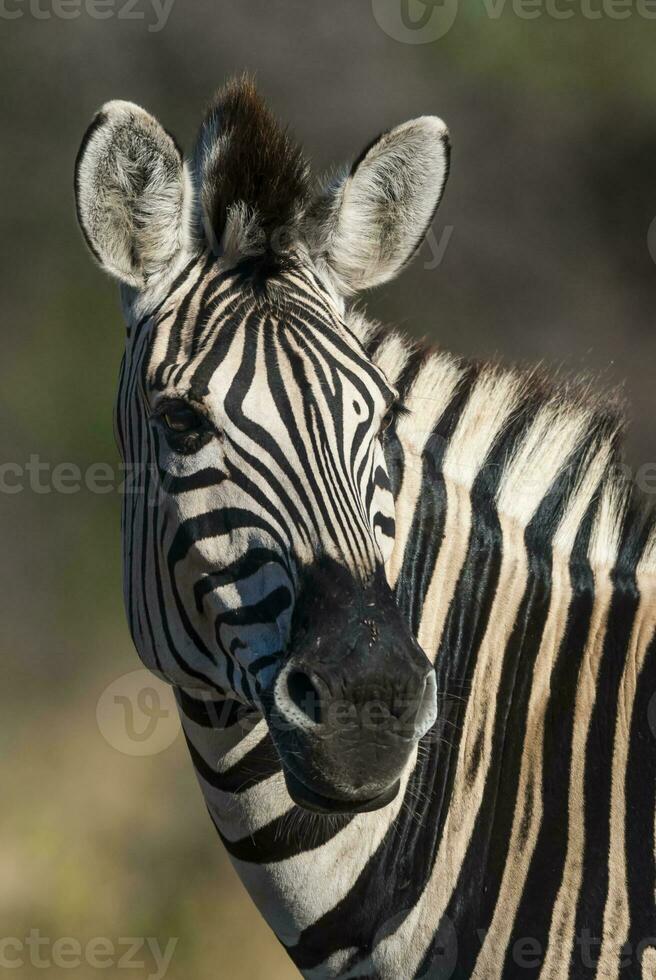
pixel 405 601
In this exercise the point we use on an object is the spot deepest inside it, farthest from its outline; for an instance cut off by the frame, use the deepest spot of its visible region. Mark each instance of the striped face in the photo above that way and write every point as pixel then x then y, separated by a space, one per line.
pixel 259 513
pixel 251 428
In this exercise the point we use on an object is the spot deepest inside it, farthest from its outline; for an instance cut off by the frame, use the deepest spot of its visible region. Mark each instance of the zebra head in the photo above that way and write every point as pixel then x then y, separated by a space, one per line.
pixel 259 514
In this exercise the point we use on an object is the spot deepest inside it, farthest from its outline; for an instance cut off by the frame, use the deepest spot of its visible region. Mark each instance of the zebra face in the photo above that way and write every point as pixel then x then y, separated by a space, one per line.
pixel 258 514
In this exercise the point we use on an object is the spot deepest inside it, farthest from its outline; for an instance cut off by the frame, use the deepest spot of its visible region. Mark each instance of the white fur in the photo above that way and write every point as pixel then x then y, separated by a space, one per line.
pixel 392 356
pixel 134 197
pixel 368 222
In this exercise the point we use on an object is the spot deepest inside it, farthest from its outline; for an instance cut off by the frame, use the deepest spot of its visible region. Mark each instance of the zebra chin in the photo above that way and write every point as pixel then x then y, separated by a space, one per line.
pixel 318 802
pixel 353 697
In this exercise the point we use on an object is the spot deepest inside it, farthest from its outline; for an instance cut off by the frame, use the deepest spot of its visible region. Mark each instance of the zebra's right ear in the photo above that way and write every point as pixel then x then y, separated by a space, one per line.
pixel 134 196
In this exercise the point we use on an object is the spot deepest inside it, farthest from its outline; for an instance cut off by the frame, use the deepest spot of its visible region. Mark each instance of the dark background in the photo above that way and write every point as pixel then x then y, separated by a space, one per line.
pixel 548 208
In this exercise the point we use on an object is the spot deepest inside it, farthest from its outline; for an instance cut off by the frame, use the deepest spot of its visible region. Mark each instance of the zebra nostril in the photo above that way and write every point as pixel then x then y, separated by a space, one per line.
pixel 305 695
pixel 427 708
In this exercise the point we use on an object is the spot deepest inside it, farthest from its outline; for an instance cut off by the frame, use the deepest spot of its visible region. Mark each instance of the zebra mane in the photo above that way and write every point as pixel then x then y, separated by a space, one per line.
pixel 253 179
pixel 547 451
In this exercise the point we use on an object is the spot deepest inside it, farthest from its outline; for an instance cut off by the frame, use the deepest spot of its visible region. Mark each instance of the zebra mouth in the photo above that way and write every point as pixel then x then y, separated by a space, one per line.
pixel 309 799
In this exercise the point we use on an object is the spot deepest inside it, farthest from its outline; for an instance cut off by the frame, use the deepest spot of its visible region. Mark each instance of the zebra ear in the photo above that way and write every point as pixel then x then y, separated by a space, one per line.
pixel 133 196
pixel 369 222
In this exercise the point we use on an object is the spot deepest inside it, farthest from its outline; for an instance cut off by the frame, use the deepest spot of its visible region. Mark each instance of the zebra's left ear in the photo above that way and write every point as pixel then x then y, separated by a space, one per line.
pixel 369 222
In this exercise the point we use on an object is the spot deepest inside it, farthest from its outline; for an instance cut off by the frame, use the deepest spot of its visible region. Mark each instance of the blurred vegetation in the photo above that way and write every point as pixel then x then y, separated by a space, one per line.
pixel 550 201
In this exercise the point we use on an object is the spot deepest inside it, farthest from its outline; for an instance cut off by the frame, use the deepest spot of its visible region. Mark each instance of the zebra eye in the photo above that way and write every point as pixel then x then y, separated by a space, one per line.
pixel 396 411
pixel 181 417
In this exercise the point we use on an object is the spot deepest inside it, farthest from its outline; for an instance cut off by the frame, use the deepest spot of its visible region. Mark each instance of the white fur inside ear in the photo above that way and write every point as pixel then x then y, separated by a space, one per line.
pixel 369 223
pixel 134 196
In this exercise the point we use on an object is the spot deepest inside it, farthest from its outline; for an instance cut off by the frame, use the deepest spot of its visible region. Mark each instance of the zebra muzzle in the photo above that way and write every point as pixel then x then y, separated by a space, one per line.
pixel 353 697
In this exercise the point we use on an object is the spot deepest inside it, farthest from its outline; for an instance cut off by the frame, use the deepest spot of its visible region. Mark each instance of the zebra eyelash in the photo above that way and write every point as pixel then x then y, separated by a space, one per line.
pixel 158 411
pixel 397 410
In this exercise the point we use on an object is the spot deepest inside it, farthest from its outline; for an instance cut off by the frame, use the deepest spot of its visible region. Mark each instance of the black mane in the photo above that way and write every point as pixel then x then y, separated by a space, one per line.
pixel 247 164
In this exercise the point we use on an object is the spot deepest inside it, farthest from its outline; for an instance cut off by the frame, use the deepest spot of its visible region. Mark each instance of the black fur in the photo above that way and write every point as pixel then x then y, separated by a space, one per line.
pixel 259 164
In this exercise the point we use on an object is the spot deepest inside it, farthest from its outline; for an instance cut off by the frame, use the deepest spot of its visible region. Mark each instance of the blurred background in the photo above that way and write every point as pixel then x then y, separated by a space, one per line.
pixel 540 251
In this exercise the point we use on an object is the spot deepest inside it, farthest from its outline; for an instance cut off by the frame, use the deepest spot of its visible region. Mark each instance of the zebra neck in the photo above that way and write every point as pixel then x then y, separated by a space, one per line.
pixel 299 867
pixel 527 572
